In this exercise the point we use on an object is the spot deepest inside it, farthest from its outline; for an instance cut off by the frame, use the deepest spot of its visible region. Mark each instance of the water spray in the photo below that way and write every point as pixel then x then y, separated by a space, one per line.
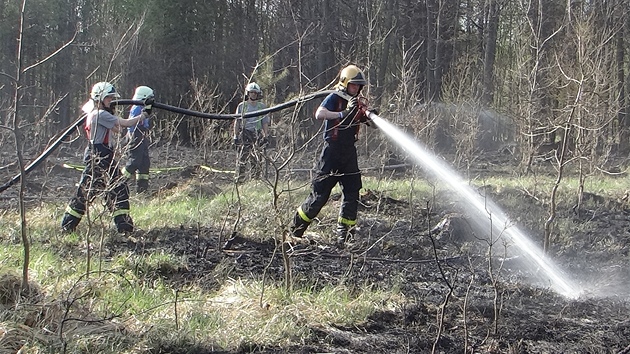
pixel 559 282
pixel 489 212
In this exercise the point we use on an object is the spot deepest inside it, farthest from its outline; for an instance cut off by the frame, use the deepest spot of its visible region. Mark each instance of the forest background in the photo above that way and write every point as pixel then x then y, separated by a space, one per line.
pixel 497 74
pixel 542 83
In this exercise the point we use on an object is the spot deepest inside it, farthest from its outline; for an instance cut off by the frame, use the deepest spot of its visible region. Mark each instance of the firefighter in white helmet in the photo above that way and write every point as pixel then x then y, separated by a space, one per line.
pixel 139 160
pixel 338 160
pixel 251 135
pixel 101 174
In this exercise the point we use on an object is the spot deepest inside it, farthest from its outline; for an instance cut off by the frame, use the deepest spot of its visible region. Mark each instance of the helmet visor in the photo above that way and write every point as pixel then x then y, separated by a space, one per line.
pixel 112 92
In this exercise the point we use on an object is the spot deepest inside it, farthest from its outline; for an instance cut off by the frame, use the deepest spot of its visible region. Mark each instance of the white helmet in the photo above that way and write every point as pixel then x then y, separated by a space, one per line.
pixel 142 93
pixel 100 90
pixel 253 87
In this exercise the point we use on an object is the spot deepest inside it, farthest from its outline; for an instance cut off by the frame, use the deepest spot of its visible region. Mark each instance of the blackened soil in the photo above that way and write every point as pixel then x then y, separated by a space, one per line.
pixel 462 299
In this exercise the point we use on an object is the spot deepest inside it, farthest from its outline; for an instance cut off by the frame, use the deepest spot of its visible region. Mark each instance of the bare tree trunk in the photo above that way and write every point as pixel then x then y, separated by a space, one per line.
pixel 542 17
pixel 15 122
pixel 624 123
pixel 385 54
pixel 62 79
pixel 561 162
pixel 431 44
pixel 489 55
pixel 326 48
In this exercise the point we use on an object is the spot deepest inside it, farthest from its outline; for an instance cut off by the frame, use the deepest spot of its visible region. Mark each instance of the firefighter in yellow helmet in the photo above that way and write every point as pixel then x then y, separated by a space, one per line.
pixel 338 160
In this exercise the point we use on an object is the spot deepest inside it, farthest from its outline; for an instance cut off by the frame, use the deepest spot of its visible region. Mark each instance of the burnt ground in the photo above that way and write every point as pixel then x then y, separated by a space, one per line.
pixel 454 300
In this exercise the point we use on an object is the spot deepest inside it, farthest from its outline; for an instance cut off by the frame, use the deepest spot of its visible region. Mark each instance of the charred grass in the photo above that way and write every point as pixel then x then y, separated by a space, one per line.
pixel 205 273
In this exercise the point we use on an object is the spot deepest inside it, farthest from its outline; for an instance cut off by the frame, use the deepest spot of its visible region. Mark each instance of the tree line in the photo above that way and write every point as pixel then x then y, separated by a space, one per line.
pixel 546 74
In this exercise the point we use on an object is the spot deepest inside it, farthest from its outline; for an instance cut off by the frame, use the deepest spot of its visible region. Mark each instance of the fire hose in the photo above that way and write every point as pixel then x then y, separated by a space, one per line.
pixel 216 116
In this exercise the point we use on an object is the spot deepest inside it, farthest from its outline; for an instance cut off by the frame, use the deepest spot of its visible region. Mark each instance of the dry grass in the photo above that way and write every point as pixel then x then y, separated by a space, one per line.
pixel 142 302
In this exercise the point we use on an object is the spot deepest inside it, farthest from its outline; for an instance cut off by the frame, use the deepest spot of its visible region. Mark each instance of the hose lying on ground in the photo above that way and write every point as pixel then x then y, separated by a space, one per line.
pixel 67 131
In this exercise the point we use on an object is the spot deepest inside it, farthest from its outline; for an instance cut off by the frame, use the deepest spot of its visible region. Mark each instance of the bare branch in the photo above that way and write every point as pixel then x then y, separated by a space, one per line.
pixel 12 78
pixel 51 55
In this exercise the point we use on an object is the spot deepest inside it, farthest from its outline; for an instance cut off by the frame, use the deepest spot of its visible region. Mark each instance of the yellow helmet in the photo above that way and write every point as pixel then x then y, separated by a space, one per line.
pixel 351 74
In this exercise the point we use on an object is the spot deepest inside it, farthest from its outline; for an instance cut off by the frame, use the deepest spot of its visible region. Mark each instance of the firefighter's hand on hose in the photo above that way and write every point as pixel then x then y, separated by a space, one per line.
pixel 351 108
pixel 148 105
pixel 353 102
pixel 365 119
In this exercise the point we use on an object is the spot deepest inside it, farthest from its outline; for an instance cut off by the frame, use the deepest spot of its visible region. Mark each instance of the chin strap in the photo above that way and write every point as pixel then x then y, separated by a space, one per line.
pixel 343 94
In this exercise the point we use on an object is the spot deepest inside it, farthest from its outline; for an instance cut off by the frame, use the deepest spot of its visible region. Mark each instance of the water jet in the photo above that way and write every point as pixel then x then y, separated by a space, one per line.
pixel 487 212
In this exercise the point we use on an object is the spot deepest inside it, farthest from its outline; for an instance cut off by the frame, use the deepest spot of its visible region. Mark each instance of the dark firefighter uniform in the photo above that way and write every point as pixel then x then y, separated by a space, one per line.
pixel 139 161
pixel 338 160
pixel 100 175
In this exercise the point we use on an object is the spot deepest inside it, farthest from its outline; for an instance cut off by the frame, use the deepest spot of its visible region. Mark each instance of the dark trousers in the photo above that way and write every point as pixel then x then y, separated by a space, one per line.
pixel 100 176
pixel 139 161
pixel 337 164
pixel 247 153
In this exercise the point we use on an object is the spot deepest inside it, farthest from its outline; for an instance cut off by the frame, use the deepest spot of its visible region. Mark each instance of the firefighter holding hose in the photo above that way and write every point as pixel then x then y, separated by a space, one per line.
pixel 101 174
pixel 342 112
pixel 139 160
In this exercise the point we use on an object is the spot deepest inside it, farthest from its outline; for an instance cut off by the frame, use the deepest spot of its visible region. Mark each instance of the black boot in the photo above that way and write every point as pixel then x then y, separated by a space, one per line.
pixel 345 233
pixel 69 223
pixel 299 226
pixel 124 223
pixel 240 173
pixel 142 185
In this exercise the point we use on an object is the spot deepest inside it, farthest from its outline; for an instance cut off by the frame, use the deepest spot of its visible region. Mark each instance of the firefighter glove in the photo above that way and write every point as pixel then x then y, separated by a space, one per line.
pixel 351 108
pixel 237 141
pixel 148 105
